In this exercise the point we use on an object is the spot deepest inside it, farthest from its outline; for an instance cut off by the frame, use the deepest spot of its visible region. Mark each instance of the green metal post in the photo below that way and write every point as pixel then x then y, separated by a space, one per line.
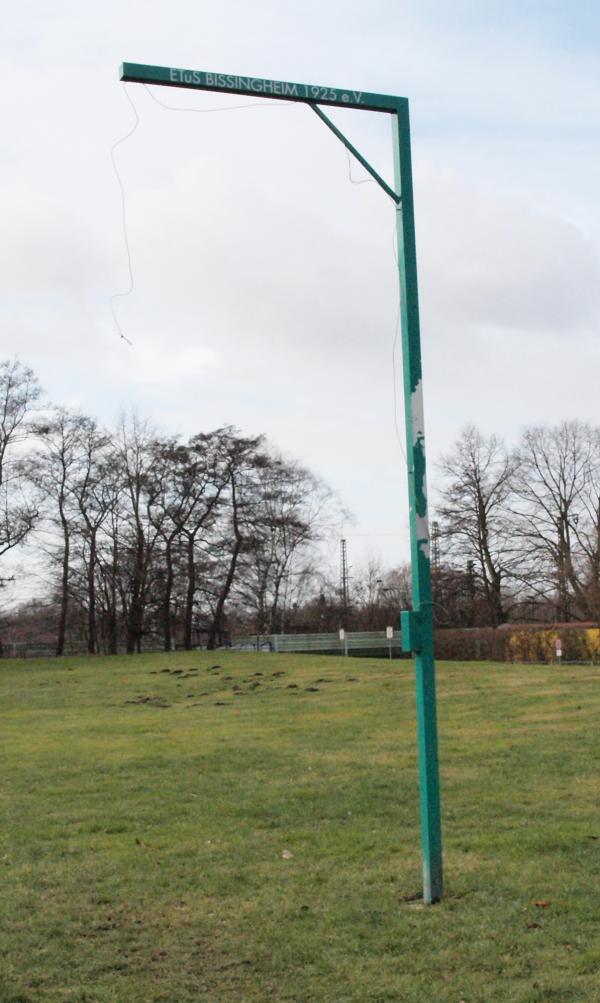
pixel 421 619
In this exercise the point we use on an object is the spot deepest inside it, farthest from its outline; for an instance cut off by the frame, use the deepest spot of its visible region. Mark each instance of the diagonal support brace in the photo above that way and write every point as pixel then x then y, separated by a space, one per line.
pixel 365 163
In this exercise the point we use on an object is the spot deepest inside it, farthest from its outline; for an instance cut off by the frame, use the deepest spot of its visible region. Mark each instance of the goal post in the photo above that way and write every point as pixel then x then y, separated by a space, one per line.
pixel 417 624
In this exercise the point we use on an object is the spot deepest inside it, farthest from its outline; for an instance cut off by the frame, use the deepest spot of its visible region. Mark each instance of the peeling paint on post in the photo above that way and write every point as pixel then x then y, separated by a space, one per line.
pixel 431 831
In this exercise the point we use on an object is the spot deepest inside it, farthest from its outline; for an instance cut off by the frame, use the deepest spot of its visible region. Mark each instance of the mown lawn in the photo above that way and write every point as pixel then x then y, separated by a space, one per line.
pixel 229 827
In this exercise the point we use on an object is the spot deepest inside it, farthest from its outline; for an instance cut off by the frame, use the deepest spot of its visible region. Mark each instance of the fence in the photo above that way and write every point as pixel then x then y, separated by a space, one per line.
pixel 373 643
pixel 578 643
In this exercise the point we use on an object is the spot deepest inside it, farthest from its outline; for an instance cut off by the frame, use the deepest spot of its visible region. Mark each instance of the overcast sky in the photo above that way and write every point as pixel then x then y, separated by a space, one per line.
pixel 265 286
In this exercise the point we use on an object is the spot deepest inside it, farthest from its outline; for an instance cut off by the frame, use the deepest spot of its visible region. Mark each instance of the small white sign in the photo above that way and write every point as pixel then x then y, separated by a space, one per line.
pixel 389 633
pixel 342 634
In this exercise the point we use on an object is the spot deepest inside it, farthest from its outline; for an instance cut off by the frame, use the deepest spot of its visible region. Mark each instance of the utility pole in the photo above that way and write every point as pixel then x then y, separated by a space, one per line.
pixel 344 583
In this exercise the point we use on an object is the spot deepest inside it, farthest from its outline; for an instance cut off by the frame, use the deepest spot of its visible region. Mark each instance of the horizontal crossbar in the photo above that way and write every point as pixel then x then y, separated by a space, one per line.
pixel 282 90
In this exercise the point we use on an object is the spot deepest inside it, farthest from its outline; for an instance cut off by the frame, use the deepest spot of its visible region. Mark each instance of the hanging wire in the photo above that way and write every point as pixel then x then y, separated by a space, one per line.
pixel 397 326
pixel 124 218
pixel 395 239
pixel 395 377
pixel 355 181
pixel 168 107
pixel 208 111
pixel 371 181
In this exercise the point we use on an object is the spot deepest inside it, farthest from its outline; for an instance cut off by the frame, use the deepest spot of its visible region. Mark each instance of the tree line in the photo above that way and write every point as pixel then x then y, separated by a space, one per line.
pixel 518 536
pixel 139 536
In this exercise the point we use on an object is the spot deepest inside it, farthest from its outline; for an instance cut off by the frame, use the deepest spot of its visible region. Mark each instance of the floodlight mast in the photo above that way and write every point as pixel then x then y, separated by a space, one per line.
pixel 417 624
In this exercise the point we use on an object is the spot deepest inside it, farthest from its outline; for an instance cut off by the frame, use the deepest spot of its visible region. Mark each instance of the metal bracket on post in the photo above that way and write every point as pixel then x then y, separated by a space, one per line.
pixel 411 629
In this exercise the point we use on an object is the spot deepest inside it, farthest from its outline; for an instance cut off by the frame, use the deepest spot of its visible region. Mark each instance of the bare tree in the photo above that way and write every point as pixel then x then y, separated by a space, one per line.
pixel 52 469
pixel 108 565
pixel 139 532
pixel 585 570
pixel 558 516
pixel 394 594
pixel 370 596
pixel 95 491
pixel 475 510
pixel 291 509
pixel 244 460
pixel 19 396
pixel 188 483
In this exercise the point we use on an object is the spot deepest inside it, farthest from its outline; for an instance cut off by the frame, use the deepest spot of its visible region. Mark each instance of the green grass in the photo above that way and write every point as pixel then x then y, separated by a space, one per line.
pixel 146 814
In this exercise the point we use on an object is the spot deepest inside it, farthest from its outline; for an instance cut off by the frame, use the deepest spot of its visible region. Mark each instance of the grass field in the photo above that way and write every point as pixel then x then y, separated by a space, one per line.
pixel 229 827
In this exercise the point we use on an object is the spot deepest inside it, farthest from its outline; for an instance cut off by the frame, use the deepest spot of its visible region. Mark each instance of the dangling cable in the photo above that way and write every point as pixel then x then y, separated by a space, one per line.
pixel 254 104
pixel 395 383
pixel 208 111
pixel 395 341
pixel 366 181
pixel 124 219
pixel 354 181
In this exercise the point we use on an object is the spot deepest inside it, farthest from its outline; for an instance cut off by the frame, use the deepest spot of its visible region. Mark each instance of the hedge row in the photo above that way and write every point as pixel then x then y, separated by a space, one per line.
pixel 519 644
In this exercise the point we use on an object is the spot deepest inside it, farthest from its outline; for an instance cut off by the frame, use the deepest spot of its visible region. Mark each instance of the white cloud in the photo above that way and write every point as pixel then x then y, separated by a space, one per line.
pixel 153 367
pixel 489 263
